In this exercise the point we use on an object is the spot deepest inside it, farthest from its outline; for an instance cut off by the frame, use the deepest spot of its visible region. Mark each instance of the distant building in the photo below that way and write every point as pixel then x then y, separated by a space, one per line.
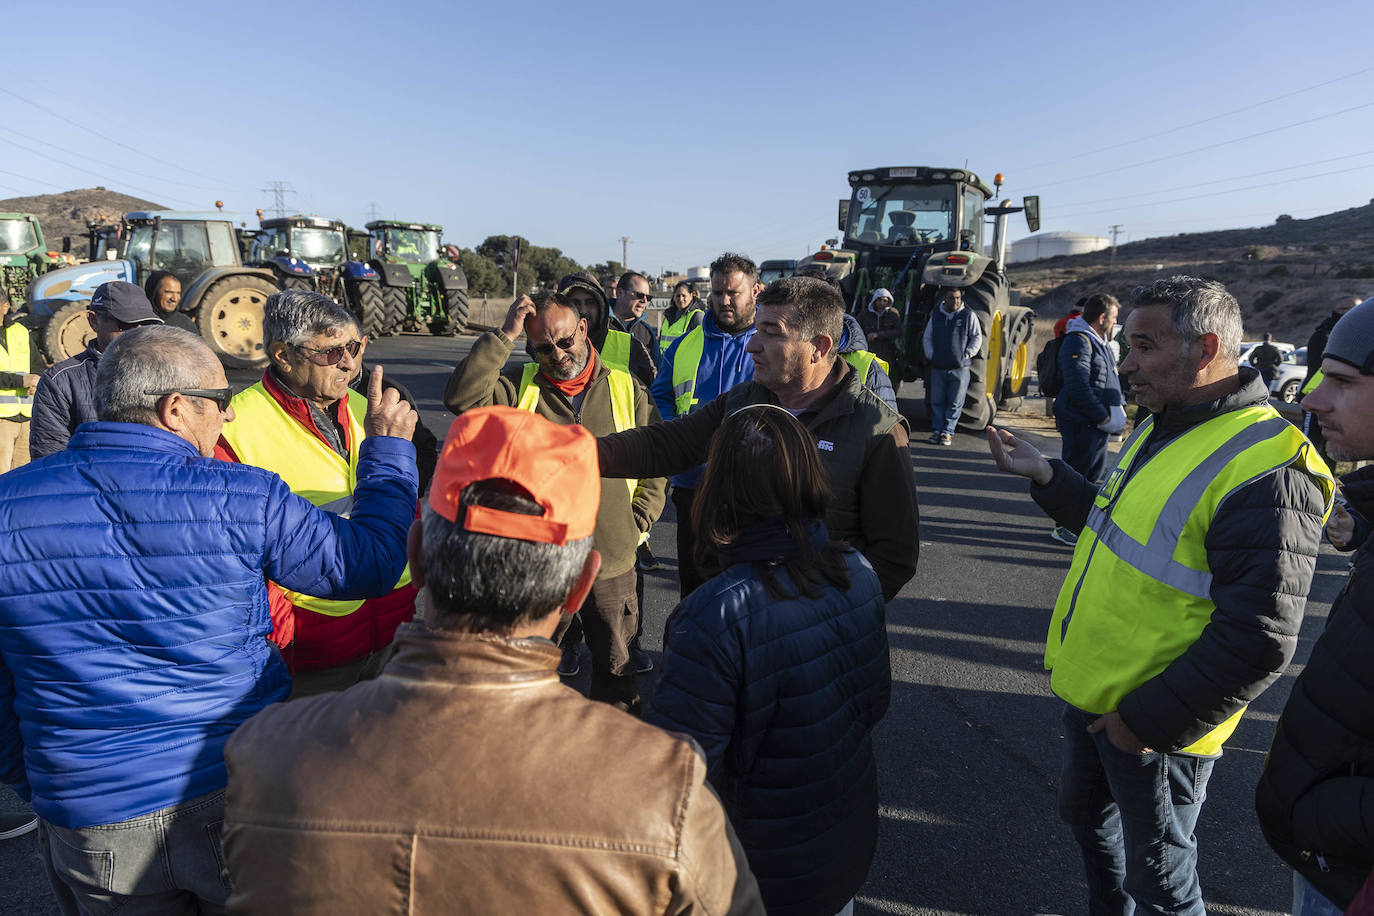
pixel 1053 245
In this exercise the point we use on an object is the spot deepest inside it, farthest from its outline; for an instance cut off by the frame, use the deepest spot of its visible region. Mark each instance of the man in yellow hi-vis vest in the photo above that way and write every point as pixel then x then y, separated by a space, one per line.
pixel 569 383
pixel 1185 594
pixel 20 365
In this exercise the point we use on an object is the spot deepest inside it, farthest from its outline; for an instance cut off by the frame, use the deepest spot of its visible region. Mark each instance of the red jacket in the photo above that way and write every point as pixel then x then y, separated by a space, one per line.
pixel 310 640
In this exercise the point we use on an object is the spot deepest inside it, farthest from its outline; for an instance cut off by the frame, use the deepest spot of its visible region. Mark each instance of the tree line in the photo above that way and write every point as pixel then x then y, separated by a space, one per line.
pixel 488 266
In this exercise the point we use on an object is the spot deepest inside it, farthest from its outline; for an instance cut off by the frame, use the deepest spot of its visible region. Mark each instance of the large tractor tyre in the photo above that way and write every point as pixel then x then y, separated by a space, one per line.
pixel 988 300
pixel 365 302
pixel 230 320
pixel 68 331
pixel 396 308
pixel 1020 322
pixel 455 304
pixel 294 282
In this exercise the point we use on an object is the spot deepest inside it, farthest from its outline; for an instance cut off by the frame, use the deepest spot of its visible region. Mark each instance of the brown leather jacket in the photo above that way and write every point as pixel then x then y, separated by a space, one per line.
pixel 468 779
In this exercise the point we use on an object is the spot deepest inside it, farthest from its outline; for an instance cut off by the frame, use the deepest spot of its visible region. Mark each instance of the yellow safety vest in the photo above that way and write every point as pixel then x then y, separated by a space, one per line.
pixel 1313 382
pixel 861 360
pixel 265 435
pixel 673 330
pixel 1138 592
pixel 615 350
pixel 686 362
pixel 16 402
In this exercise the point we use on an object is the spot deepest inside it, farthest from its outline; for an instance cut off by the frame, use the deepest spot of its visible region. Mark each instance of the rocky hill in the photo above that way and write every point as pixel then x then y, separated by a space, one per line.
pixel 66 214
pixel 1286 275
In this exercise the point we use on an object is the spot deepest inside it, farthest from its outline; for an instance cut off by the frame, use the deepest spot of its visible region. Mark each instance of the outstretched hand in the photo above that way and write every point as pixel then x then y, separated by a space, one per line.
pixel 388 414
pixel 1017 457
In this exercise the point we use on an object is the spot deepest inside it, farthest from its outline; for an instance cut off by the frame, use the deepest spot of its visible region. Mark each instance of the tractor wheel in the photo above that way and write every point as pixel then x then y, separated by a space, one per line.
pixel 286 282
pixel 455 303
pixel 1016 371
pixel 395 308
pixel 988 300
pixel 365 302
pixel 68 331
pixel 230 320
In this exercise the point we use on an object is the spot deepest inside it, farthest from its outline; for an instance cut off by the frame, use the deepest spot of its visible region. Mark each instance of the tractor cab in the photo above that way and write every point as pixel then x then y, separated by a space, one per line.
pixel 895 210
pixel 23 253
pixel 409 243
pixel 321 243
pixel 187 243
pixel 421 287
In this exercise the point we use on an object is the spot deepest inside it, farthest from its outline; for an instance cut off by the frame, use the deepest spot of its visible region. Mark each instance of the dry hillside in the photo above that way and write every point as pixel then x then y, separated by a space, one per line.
pixel 67 213
pixel 1286 275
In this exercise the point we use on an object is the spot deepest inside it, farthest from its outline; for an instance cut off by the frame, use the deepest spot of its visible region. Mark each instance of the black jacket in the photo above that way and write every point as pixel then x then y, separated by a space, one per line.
pixel 63 401
pixel 1262 551
pixel 783 695
pixel 1316 797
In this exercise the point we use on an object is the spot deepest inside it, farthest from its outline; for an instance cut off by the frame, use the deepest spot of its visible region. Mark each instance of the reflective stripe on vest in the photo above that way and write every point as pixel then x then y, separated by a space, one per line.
pixel 16 402
pixel 862 359
pixel 673 330
pixel 1138 592
pixel 265 435
pixel 622 401
pixel 1313 382
pixel 615 350
pixel 686 362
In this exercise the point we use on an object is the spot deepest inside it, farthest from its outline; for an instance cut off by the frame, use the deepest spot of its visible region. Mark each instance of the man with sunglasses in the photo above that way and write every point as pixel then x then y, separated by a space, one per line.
pixel 632 297
pixel 63 400
pixel 568 383
pixel 134 620
pixel 303 421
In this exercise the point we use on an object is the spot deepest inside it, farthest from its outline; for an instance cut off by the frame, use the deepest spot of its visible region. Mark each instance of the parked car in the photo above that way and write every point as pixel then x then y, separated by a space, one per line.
pixel 1288 380
pixel 1248 346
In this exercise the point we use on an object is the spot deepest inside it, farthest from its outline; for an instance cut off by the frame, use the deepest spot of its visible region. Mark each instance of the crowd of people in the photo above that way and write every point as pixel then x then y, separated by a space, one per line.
pixel 284 651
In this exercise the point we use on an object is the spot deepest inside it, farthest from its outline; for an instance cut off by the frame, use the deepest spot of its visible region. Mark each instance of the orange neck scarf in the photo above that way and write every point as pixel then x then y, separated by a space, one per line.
pixel 573 386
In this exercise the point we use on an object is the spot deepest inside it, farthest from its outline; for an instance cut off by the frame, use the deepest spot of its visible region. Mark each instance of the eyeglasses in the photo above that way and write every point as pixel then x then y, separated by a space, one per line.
pixel 332 355
pixel 221 396
pixel 642 297
pixel 562 343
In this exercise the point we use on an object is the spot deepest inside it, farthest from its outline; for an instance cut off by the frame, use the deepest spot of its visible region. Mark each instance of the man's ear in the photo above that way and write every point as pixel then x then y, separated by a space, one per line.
pixel 758 288
pixel 415 541
pixel 573 603
pixel 277 351
pixel 171 412
pixel 1211 346
pixel 91 317
pixel 824 344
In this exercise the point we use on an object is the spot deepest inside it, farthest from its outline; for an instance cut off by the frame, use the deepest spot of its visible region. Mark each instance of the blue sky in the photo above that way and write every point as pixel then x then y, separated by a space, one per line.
pixel 696 128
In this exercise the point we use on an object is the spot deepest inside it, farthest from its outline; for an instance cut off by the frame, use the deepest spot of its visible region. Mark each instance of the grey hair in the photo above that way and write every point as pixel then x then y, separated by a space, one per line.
pixel 294 316
pixel 485 583
pixel 1198 307
pixel 149 358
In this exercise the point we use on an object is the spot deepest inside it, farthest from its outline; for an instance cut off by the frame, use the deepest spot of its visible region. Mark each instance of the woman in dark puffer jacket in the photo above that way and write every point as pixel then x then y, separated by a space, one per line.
pixel 778 666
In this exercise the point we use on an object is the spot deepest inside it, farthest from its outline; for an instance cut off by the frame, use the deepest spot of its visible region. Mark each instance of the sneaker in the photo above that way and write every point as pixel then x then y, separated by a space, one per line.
pixel 946 439
pixel 645 559
pixel 568 665
pixel 1064 536
pixel 935 438
pixel 641 660
pixel 17 823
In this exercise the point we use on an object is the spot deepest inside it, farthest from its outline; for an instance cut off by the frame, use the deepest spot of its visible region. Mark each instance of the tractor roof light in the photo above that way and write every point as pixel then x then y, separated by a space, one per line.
pixel 957 259
pixel 823 255
pixel 957 175
pixel 938 176
pixel 869 176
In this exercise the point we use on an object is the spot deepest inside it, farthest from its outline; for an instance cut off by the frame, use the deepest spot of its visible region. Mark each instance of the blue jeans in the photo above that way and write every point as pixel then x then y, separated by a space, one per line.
pixel 169 861
pixel 1133 817
pixel 947 390
pixel 1084 448
pixel 1308 901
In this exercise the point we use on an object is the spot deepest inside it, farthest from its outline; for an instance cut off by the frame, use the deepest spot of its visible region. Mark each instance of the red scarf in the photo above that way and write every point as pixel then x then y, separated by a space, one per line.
pixel 573 386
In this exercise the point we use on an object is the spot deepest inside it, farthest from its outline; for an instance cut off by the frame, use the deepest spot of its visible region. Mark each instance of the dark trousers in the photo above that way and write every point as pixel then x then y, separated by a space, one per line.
pixel 610 616
pixel 687 574
pixel 1133 817
pixel 1084 448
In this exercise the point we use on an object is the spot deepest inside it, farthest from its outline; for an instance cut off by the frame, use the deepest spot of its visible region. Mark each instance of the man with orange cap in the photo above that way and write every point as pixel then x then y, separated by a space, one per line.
pixel 568 383
pixel 465 764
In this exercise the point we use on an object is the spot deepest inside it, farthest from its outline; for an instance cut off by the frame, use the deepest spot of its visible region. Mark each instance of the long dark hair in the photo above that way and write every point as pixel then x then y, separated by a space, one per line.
pixel 763 467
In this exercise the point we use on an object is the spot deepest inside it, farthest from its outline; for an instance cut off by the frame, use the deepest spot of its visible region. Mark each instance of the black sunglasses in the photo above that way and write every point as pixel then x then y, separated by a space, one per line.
pixel 221 396
pixel 563 343
pixel 642 297
pixel 332 355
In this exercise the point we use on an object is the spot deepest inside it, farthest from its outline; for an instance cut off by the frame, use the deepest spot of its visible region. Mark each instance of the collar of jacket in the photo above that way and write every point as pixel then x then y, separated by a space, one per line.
pixel 451 657
pixel 1358 488
pixel 1251 391
pixel 299 408
pixel 104 434
pixel 709 328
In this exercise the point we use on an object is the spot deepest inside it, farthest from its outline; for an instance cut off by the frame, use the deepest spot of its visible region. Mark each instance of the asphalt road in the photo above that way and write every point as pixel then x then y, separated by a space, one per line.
pixel 969 750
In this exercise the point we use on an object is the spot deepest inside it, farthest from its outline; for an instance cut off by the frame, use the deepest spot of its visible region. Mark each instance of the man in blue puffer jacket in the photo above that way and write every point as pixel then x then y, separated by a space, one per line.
pixel 134 620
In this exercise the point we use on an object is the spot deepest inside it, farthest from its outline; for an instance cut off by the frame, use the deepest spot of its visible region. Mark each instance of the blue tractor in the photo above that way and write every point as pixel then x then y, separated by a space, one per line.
pixel 221 297
pixel 310 252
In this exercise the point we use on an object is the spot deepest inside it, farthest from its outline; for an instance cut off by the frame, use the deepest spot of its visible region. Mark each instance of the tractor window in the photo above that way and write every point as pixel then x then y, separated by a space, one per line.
pixel 223 249
pixel 901 214
pixel 183 248
pixel 140 247
pixel 324 247
pixel 417 246
pixel 973 218
pixel 267 243
pixel 17 236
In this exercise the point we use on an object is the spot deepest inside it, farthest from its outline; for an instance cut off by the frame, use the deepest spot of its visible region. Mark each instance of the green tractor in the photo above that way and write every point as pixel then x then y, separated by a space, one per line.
pixel 23 253
pixel 421 287
pixel 309 252
pixel 915 229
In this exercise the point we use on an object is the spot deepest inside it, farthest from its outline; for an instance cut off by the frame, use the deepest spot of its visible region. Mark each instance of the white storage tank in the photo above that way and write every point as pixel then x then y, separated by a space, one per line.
pixel 1053 245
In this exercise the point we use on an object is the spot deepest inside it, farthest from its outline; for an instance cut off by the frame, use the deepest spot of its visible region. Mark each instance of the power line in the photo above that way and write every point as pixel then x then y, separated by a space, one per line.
pixel 103 178
pixel 279 190
pixel 1200 149
pixel 72 152
pixel 1173 130
pixel 105 137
